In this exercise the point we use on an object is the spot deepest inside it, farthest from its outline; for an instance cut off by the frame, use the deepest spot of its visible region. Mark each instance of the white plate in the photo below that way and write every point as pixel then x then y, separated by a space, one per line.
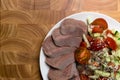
pixel 112 24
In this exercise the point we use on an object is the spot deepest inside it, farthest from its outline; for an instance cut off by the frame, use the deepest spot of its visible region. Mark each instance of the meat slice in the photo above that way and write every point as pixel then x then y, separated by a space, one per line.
pixel 65 40
pixel 73 27
pixel 61 62
pixel 69 73
pixel 51 50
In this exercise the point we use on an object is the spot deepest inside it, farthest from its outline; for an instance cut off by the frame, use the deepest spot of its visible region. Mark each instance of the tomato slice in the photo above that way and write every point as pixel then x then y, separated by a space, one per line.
pixel 82 55
pixel 97 29
pixel 100 21
pixel 96 44
pixel 84 77
pixel 83 44
pixel 111 43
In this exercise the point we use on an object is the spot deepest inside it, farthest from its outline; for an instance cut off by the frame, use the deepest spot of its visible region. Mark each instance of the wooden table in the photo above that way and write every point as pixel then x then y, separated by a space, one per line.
pixel 25 23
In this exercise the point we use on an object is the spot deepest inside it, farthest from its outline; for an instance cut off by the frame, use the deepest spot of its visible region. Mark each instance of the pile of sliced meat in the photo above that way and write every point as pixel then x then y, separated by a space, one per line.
pixel 59 49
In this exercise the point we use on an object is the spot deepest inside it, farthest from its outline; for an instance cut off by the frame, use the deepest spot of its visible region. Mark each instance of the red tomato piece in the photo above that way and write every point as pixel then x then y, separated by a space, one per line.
pixel 97 30
pixel 97 44
pixel 84 77
pixel 83 44
pixel 82 55
pixel 111 43
pixel 100 21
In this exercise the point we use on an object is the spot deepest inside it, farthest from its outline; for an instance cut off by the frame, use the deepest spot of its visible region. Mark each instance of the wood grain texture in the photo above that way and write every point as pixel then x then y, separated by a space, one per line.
pixel 118 5
pixel 99 5
pixel 25 23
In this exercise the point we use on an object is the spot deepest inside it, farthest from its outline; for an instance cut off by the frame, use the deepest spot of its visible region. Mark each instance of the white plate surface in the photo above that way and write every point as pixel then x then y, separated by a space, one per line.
pixel 112 24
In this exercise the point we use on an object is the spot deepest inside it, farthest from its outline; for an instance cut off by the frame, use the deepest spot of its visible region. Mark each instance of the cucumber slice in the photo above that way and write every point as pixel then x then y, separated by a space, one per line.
pixel 118 76
pixel 94 76
pixel 86 40
pixel 117 40
pixel 117 34
pixel 96 34
pixel 118 52
pixel 108 59
pixel 102 73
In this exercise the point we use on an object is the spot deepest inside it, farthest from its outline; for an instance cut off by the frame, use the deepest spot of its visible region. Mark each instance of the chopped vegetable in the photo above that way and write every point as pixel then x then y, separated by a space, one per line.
pixel 94 77
pixel 84 77
pixel 82 55
pixel 99 52
pixel 117 75
pixel 101 22
pixel 108 32
pixel 97 29
pixel 96 64
pixel 116 32
pixel 83 44
pixel 102 73
pixel 96 35
pixel 97 44
pixel 111 43
pixel 111 64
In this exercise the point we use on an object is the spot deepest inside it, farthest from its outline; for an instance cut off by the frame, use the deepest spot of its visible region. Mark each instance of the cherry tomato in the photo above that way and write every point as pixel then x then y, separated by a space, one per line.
pixel 84 77
pixel 97 44
pixel 82 55
pixel 83 44
pixel 111 43
pixel 101 22
pixel 97 29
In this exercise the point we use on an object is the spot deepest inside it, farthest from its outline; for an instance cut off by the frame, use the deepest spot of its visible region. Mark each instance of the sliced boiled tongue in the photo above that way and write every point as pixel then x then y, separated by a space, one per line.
pixel 59 49
pixel 73 27
pixel 69 73
pixel 65 40
pixel 61 62
pixel 51 50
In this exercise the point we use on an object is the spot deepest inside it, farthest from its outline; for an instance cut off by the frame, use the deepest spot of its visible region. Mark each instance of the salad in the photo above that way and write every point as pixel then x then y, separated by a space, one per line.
pixel 98 57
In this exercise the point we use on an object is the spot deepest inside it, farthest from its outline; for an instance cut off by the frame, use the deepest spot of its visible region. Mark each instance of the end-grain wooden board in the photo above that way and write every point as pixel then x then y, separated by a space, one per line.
pixel 25 23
